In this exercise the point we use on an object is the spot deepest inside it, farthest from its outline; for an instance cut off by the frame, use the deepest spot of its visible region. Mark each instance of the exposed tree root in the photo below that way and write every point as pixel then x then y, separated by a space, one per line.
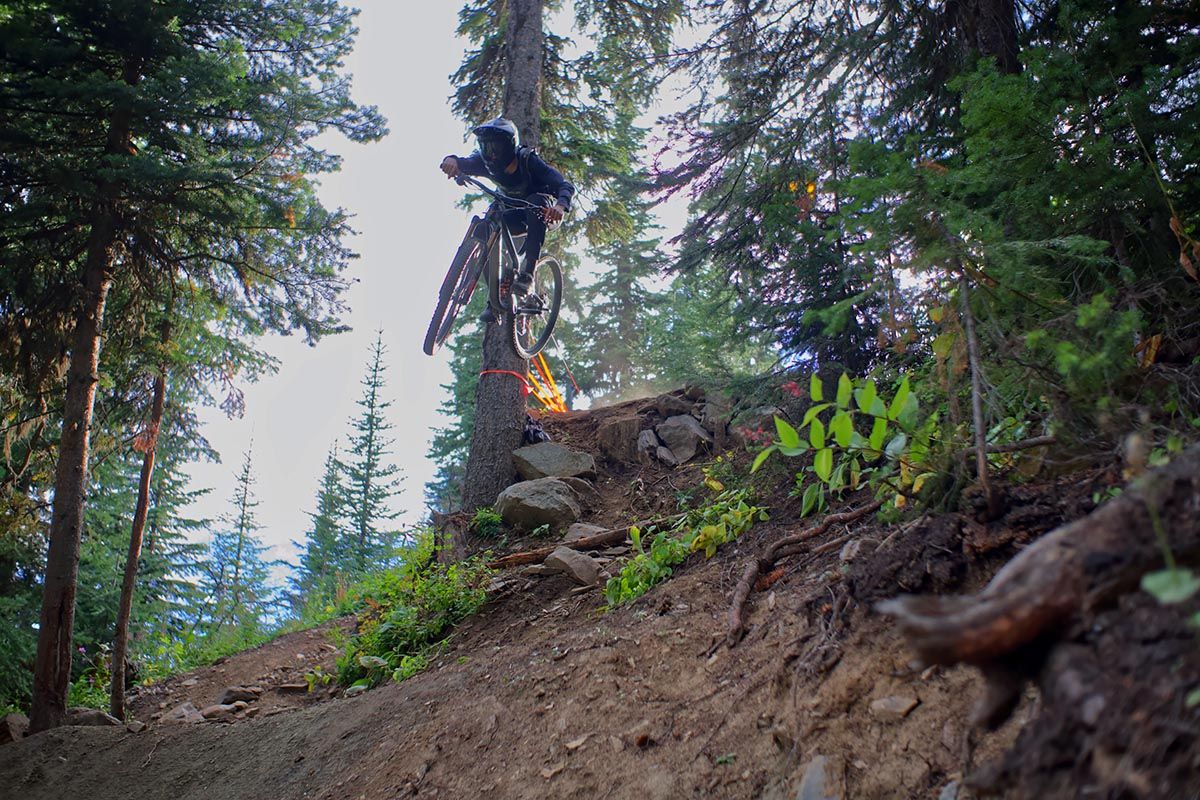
pixel 1006 628
pixel 787 546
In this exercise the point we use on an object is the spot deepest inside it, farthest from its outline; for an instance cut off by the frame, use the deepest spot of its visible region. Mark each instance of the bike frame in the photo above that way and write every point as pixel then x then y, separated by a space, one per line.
pixel 500 242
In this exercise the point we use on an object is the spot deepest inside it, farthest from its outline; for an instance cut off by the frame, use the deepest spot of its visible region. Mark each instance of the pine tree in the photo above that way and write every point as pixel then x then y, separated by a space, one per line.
pixel 156 144
pixel 371 481
pixel 236 574
pixel 326 559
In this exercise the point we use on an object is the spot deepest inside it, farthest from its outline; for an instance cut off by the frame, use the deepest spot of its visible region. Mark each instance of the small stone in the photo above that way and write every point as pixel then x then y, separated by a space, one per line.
pixel 184 712
pixel 355 690
pixel 537 569
pixel 91 716
pixel 894 708
pixel 581 568
pixel 949 791
pixel 252 711
pixel 292 688
pixel 235 693
pixel 575 744
pixel 1091 710
pixel 851 550
pixel 13 727
pixel 665 455
pixel 217 711
pixel 137 726
pixel 581 530
pixel 647 446
pixel 190 682
pixel 823 780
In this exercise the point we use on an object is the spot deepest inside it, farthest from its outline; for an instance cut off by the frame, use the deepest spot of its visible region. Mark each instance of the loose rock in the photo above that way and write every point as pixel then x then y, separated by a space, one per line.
pixel 823 780
pixel 13 727
pixel 581 530
pixel 617 438
pixel 91 716
pixel 244 693
pixel 683 435
pixel 894 708
pixel 545 501
pixel 669 405
pixel 665 455
pixel 552 460
pixel 184 712
pixel 647 446
pixel 581 568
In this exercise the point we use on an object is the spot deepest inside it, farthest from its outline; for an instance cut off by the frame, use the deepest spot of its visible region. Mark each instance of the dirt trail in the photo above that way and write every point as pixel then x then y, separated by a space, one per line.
pixel 543 695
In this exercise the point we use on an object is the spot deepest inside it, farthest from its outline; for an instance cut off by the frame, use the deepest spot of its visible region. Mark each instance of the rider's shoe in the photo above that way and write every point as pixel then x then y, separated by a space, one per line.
pixel 522 284
pixel 487 317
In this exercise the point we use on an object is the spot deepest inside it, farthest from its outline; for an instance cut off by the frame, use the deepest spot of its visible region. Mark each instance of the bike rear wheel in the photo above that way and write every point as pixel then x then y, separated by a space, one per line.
pixel 456 291
pixel 532 320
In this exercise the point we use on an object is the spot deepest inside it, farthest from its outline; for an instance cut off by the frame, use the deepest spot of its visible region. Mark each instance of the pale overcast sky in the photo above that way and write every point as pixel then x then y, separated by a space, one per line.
pixel 408 229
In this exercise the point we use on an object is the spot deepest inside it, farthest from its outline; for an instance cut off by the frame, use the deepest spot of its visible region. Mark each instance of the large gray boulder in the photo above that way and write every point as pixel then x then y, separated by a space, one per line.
pixel 617 437
pixel 545 501
pixel 553 460
pixel 683 435
pixel 13 727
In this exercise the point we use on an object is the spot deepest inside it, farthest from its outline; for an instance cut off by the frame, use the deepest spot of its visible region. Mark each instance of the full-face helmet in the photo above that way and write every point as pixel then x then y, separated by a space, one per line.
pixel 497 141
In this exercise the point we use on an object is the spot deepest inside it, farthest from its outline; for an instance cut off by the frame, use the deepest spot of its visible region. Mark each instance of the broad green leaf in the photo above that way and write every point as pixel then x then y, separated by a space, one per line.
pixel 908 414
pixel 811 495
pixel 855 473
pixel 1170 586
pixel 1193 698
pixel 896 446
pixel 788 436
pixel 943 343
pixel 823 463
pixel 792 452
pixel 900 399
pixel 865 397
pixel 815 391
pixel 816 434
pixel 372 661
pixel 838 479
pixel 844 390
pixel 813 411
pixel 760 458
pixel 878 432
pixel 842 428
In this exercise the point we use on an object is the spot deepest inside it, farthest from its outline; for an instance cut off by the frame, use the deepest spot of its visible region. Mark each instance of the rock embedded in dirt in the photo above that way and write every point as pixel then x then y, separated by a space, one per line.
pixel 683 435
pixel 851 550
pixel 553 460
pixel 91 716
pixel 582 530
pixel 893 708
pixel 184 712
pixel 665 455
pixel 824 779
pixel 190 682
pixel 669 405
pixel 218 711
pixel 545 501
pixel 585 490
pixel 137 726
pixel 581 568
pixel 647 446
pixel 617 438
pixel 13 727
pixel 694 392
pixel 245 693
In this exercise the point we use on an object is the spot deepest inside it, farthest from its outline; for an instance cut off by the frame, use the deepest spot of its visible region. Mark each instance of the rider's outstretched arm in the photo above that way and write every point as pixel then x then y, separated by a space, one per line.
pixel 470 165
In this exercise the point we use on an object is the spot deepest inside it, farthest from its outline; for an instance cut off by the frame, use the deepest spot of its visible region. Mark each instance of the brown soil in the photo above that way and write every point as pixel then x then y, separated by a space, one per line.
pixel 544 695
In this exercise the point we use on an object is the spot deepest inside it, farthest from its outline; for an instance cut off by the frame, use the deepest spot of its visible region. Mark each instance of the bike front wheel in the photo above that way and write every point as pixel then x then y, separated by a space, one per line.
pixel 457 287
pixel 532 320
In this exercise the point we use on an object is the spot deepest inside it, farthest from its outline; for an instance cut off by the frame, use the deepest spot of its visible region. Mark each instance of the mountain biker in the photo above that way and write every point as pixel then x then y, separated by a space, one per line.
pixel 519 172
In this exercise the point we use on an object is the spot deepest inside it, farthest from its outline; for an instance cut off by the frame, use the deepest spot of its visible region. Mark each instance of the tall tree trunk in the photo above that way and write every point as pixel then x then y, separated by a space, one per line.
pixel 989 28
pixel 121 637
pixel 52 669
pixel 500 397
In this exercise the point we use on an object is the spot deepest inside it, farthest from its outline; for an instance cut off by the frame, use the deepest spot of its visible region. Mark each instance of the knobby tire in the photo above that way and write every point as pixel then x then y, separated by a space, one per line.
pixel 456 291
pixel 531 330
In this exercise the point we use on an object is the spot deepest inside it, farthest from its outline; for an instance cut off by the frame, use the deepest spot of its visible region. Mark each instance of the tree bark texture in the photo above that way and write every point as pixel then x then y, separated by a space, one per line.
pixel 52 669
pixel 499 395
pixel 1080 566
pixel 988 28
pixel 121 636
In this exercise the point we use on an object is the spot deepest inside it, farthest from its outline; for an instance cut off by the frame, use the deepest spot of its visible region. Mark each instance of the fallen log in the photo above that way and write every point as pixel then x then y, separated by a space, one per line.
pixel 1071 570
pixel 781 548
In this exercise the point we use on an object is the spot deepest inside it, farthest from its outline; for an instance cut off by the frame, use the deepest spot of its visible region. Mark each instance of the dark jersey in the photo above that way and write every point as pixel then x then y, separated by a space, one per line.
pixel 533 176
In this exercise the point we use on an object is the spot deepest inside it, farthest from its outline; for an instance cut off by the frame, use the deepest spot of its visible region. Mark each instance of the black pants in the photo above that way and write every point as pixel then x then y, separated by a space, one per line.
pixel 530 221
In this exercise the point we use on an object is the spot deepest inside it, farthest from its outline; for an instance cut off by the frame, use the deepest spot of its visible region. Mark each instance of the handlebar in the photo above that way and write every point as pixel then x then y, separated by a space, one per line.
pixel 515 202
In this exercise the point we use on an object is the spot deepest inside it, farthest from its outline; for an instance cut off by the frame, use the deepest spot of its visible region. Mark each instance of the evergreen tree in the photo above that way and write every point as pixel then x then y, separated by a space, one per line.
pixel 326 559
pixel 236 576
pixel 155 144
pixel 371 481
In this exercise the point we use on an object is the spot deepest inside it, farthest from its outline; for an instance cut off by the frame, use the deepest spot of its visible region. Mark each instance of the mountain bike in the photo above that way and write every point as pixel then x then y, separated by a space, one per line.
pixel 492 251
